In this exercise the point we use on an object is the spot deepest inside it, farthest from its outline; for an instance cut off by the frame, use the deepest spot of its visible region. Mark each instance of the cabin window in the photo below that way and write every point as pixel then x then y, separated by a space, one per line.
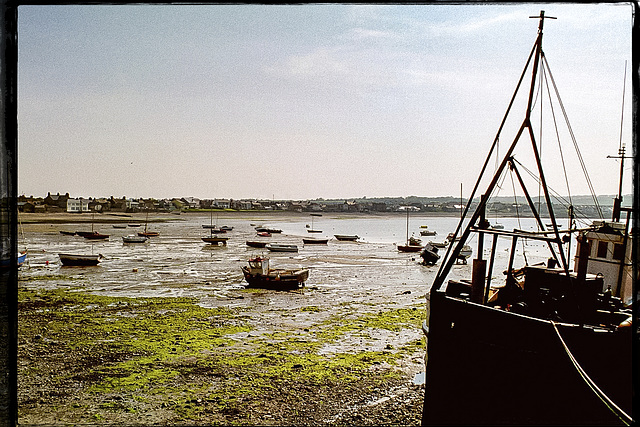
pixel 602 249
pixel 618 251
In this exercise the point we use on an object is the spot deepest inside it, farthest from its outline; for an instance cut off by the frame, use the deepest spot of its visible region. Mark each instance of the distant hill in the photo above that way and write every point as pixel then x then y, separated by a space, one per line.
pixel 582 200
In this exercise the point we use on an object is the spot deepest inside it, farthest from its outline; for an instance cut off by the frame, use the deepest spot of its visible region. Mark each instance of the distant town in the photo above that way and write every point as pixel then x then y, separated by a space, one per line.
pixel 56 203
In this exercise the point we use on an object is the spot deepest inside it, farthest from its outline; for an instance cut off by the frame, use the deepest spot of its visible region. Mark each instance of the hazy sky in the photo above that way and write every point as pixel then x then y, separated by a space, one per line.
pixel 303 101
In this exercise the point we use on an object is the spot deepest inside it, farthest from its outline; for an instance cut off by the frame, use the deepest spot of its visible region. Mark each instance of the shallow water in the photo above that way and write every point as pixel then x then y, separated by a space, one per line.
pixel 179 263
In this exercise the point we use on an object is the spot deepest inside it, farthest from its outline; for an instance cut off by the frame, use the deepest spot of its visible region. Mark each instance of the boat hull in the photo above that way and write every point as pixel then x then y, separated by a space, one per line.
pixel 410 248
pixel 315 241
pixel 281 248
pixel 346 237
pixel 276 279
pixel 134 239
pixel 493 367
pixel 254 244
pixel 79 260
pixel 215 240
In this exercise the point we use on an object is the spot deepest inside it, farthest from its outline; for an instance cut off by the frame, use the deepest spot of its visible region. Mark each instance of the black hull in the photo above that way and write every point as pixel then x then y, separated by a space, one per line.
pixel 276 281
pixel 491 367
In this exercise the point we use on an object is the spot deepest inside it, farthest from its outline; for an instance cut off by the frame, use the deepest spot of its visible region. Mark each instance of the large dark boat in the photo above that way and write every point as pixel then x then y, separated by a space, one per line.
pixel 550 345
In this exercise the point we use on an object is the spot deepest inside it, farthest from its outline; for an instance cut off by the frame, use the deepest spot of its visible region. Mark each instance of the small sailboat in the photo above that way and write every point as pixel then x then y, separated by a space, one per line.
pixel 313 230
pixel 214 240
pixel 412 244
pixel 94 235
pixel 146 232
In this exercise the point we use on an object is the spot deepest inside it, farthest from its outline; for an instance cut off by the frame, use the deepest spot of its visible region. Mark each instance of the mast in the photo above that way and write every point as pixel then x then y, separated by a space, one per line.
pixel 617 202
pixel 526 125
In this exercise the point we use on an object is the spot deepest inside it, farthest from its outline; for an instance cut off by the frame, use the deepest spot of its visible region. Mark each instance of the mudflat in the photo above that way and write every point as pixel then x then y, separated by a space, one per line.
pixel 195 347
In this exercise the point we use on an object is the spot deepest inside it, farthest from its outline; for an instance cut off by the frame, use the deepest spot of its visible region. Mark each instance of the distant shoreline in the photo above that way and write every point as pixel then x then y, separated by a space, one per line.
pixel 113 217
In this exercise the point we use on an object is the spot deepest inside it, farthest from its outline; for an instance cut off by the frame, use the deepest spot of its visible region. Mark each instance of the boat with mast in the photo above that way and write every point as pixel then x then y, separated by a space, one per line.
pixel 146 232
pixel 313 230
pixel 411 244
pixel 551 345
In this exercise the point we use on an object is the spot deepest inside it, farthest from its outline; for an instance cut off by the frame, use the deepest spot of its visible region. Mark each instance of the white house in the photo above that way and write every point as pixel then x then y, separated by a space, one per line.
pixel 78 205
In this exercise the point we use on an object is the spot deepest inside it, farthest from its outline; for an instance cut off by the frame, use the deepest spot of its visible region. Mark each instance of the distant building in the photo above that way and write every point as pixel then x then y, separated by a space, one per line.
pixel 78 205
pixel 222 203
pixel 57 200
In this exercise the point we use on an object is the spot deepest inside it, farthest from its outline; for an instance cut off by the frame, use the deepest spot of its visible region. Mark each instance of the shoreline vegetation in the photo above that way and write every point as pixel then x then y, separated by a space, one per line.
pixel 89 358
pixel 93 359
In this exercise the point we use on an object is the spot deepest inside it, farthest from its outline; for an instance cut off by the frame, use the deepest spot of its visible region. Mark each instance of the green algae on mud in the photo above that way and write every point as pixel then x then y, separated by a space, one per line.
pixel 107 357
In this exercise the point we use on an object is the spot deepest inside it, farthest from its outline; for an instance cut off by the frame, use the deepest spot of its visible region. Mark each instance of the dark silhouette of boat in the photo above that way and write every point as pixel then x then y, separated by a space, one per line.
pixel 553 344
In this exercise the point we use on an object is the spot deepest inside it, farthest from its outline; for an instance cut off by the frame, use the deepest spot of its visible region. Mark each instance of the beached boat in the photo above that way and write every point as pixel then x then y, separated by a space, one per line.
pixel 412 244
pixel 346 237
pixel 263 234
pixel 67 233
pixel 268 230
pixel 95 236
pixel 439 245
pixel 314 241
pixel 119 225
pixel 214 240
pixel 552 345
pixel 132 238
pixel 146 232
pixel 279 247
pixel 79 259
pixel 133 225
pixel 429 254
pixel 259 274
pixel 256 244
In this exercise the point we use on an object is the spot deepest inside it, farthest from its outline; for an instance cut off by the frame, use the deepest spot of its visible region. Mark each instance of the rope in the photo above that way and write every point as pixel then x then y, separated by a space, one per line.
pixel 573 138
pixel 622 416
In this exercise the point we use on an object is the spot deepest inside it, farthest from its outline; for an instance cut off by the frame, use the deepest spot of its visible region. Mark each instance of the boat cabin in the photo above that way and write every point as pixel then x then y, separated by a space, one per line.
pixel 608 254
pixel 259 265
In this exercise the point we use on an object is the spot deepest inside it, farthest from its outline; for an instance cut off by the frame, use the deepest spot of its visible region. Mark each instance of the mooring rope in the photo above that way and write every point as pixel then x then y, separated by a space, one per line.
pixel 622 416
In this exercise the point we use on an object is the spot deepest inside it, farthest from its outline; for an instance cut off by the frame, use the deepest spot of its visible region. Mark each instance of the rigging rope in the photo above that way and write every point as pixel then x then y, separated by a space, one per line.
pixel 513 186
pixel 573 138
pixel 626 419
pixel 555 124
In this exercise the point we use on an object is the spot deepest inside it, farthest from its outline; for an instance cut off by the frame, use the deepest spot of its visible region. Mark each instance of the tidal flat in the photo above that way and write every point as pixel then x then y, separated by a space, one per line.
pixel 87 359
pixel 165 333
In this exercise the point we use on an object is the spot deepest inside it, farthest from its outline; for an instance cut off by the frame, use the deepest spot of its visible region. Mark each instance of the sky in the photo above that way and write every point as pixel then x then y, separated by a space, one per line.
pixel 307 101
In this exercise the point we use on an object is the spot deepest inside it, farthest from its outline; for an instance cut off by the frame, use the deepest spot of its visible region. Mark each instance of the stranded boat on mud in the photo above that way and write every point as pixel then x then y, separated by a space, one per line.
pixel 552 345
pixel 79 259
pixel 258 274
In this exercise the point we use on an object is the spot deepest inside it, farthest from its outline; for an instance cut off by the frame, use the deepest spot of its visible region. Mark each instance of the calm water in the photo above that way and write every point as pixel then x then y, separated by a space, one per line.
pixel 178 262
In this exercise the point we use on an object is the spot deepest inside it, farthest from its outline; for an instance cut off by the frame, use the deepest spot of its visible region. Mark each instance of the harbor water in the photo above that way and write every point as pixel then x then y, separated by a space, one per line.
pixel 179 263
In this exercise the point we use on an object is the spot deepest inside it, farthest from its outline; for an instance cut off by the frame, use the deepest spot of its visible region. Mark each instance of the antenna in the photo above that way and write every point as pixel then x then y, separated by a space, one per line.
pixel 617 202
